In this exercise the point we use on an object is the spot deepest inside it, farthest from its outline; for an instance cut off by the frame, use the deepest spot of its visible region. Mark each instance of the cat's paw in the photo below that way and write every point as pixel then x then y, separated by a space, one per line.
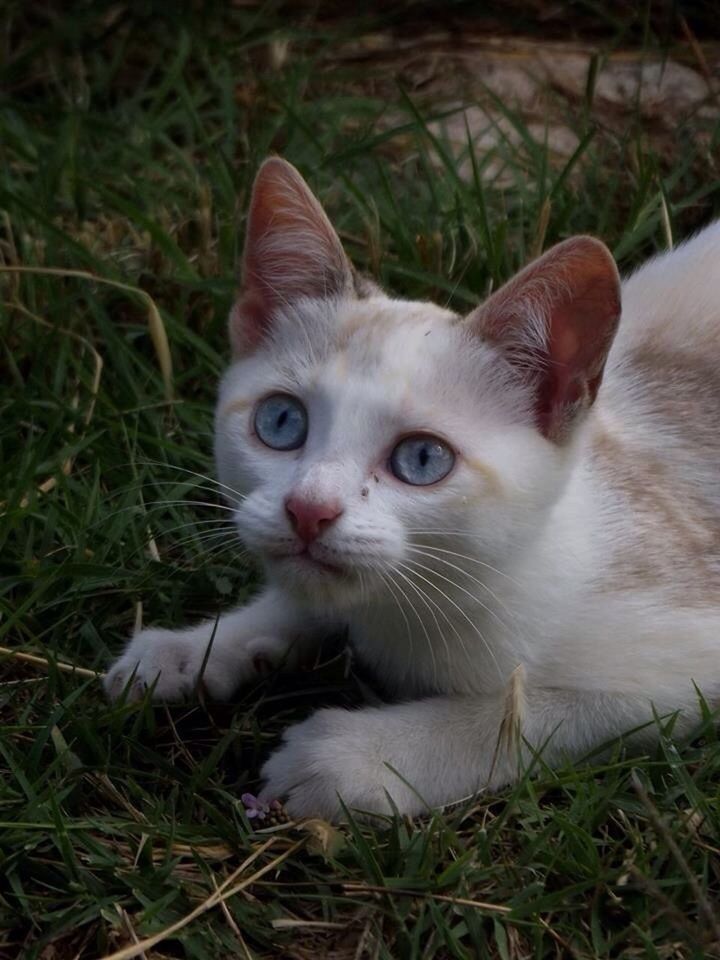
pixel 175 663
pixel 336 755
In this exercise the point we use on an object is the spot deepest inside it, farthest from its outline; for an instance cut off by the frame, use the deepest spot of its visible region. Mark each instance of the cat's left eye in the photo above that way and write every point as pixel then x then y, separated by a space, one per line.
pixel 281 422
pixel 421 460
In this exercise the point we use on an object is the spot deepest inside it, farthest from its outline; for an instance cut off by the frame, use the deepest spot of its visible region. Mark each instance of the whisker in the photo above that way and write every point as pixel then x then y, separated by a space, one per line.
pixel 145 511
pixel 207 537
pixel 158 483
pixel 420 619
pixel 452 626
pixel 361 581
pixel 462 614
pixel 198 538
pixel 198 522
pixel 387 581
pixel 445 533
pixel 455 584
pixel 463 556
pixel 192 473
pixel 160 504
pixel 428 601
pixel 214 552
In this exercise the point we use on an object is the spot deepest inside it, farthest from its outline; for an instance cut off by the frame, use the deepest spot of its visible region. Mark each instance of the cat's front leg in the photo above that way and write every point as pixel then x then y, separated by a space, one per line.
pixel 421 754
pixel 222 654
pixel 433 752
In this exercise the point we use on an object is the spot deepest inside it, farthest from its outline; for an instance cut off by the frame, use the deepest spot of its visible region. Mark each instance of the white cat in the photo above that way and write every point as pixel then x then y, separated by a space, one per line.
pixel 529 559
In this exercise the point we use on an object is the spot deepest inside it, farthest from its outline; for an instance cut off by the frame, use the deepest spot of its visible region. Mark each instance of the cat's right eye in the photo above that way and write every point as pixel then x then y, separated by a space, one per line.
pixel 281 422
pixel 421 460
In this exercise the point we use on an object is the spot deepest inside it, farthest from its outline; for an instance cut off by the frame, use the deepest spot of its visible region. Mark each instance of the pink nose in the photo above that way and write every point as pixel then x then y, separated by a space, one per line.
pixel 309 518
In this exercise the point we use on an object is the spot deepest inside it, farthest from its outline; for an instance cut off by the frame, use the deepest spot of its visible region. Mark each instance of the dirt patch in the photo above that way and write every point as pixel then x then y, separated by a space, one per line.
pixel 506 90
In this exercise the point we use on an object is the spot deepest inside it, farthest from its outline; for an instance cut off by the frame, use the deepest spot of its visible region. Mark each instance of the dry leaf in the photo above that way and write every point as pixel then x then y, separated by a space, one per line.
pixel 325 839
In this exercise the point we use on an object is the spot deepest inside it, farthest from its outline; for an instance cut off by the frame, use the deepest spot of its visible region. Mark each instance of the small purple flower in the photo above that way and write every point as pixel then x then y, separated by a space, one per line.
pixel 256 809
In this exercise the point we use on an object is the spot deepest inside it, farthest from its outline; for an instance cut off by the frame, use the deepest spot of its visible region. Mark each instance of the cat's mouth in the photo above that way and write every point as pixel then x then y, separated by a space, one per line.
pixel 308 561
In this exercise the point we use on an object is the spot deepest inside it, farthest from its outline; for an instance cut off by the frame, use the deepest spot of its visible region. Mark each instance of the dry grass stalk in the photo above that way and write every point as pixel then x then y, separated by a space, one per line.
pixel 156 326
pixel 222 893
pixel 45 663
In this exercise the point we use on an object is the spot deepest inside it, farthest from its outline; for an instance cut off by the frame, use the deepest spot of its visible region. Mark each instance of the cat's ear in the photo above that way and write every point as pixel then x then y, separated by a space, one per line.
pixel 555 322
pixel 291 252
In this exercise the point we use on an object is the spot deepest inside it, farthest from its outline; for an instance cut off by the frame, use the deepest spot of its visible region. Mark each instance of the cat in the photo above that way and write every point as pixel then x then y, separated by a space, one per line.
pixel 516 514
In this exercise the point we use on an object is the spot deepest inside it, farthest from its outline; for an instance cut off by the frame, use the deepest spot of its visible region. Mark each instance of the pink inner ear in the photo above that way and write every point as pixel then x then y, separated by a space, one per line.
pixel 291 252
pixel 557 320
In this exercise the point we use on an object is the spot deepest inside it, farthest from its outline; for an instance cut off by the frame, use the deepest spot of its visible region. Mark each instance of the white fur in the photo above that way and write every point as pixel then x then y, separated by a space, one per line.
pixel 516 542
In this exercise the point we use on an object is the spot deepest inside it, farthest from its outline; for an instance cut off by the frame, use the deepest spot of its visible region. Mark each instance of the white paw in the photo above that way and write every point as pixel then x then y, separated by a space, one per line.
pixel 336 755
pixel 171 663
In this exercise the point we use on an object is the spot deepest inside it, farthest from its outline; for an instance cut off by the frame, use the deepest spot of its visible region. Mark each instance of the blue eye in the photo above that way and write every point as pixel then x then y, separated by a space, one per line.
pixel 421 460
pixel 281 422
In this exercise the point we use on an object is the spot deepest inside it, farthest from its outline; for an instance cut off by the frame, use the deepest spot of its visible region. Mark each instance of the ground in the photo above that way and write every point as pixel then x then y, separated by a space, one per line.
pixel 129 134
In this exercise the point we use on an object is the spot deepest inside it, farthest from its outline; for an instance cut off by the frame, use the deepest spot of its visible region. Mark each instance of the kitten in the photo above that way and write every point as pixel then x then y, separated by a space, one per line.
pixel 516 513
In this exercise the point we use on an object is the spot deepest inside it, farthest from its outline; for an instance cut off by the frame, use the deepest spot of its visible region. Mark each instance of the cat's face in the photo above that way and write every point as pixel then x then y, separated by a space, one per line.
pixel 389 421
pixel 362 431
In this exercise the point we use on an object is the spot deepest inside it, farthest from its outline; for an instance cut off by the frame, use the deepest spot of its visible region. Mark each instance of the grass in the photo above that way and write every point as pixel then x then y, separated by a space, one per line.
pixel 128 139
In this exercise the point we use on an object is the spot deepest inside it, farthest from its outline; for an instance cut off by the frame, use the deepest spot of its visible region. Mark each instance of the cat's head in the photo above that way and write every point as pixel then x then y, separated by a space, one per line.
pixel 361 429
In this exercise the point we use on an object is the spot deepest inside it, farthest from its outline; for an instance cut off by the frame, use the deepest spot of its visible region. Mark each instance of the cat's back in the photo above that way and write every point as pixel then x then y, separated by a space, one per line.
pixel 672 303
pixel 662 381
pixel 653 441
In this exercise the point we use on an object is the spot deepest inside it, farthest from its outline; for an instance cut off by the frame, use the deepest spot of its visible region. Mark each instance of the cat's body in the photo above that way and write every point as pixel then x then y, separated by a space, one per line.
pixel 557 586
